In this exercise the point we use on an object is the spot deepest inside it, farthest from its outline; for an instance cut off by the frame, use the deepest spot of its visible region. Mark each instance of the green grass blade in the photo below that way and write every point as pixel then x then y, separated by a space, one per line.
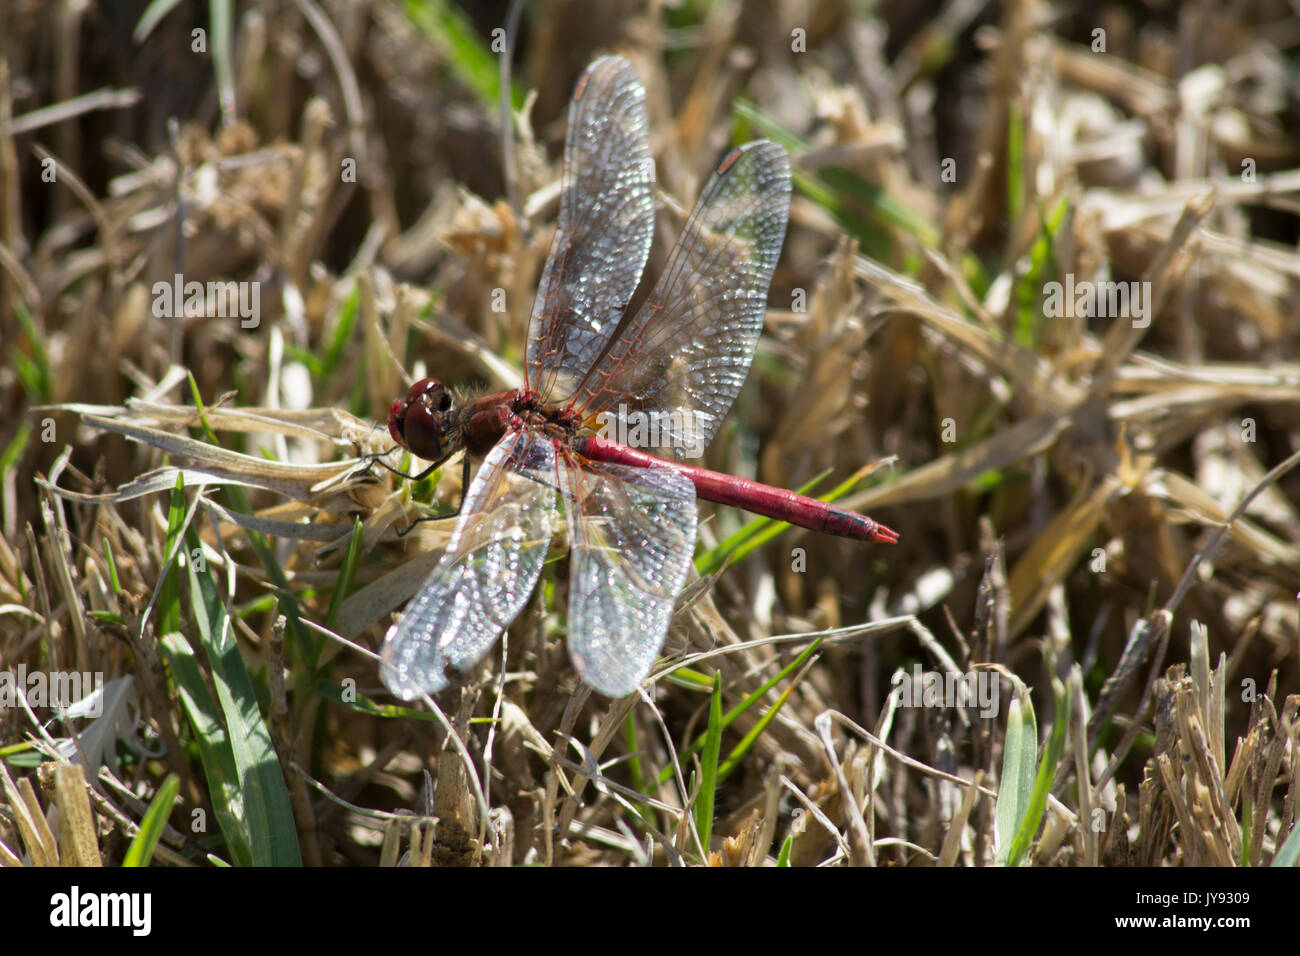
pixel 470 58
pixel 704 799
pixel 1019 755
pixel 34 369
pixel 1030 316
pixel 111 564
pixel 1289 854
pixel 1037 803
pixel 783 858
pixel 272 835
pixel 738 752
pixel 688 679
pixel 13 452
pixel 749 701
pixel 334 691
pixel 341 334
pixel 152 16
pixel 221 20
pixel 208 434
pixel 299 353
pixel 168 606
pixel 213 745
pixel 9 459
pixel 343 587
pixel 140 852
pixel 634 768
pixel 876 202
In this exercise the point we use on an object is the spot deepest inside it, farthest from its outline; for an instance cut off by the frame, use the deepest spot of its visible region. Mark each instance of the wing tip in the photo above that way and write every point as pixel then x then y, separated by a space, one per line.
pixel 404 680
pixel 610 61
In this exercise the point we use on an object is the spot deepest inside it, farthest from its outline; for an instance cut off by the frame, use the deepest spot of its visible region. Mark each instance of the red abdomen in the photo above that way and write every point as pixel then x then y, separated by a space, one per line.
pixel 753 496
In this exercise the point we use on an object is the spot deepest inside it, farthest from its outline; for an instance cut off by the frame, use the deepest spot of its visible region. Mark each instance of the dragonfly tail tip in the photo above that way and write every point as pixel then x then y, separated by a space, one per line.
pixel 885 535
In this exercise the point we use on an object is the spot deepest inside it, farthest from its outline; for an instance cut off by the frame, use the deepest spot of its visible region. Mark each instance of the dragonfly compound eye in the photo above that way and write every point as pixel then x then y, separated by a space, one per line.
pixel 422 431
pixel 416 422
pixel 430 393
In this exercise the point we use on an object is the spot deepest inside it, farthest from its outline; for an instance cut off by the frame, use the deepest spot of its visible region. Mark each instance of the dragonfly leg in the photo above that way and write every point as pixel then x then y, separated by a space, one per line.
pixel 464 485
pixel 378 458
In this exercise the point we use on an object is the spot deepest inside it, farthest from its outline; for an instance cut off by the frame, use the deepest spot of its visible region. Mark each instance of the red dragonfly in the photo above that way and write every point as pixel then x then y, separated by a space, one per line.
pixel 662 378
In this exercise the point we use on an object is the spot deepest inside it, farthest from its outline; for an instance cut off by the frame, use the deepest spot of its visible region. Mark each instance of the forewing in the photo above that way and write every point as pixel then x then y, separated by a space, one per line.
pixel 681 360
pixel 486 574
pixel 631 539
pixel 603 235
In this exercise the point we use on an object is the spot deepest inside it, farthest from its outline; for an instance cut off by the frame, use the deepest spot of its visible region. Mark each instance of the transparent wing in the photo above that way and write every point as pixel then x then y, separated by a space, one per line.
pixel 486 574
pixel 631 538
pixel 681 360
pixel 603 235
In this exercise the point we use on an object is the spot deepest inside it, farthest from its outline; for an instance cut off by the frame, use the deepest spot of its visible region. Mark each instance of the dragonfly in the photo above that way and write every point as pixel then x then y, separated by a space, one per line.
pixel 660 380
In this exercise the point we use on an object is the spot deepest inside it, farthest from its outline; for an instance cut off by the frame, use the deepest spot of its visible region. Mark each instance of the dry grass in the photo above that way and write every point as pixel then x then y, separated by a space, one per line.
pixel 1098 512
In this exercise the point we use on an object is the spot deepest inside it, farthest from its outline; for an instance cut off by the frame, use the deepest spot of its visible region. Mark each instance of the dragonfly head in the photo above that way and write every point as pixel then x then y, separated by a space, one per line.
pixel 418 422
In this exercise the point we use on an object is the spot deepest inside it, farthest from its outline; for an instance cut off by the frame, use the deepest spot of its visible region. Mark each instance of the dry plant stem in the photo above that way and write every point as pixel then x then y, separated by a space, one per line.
pixel 818 815
pixel 172 839
pixel 107 234
pixel 348 86
pixel 1083 776
pixel 505 61
pixel 861 851
pixel 497 701
pixel 58 551
pixel 952 839
pixel 1160 622
pixel 10 212
pixel 366 815
pixel 555 778
pixel 365 776
pixel 35 832
pixel 1122 338
pixel 457 837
